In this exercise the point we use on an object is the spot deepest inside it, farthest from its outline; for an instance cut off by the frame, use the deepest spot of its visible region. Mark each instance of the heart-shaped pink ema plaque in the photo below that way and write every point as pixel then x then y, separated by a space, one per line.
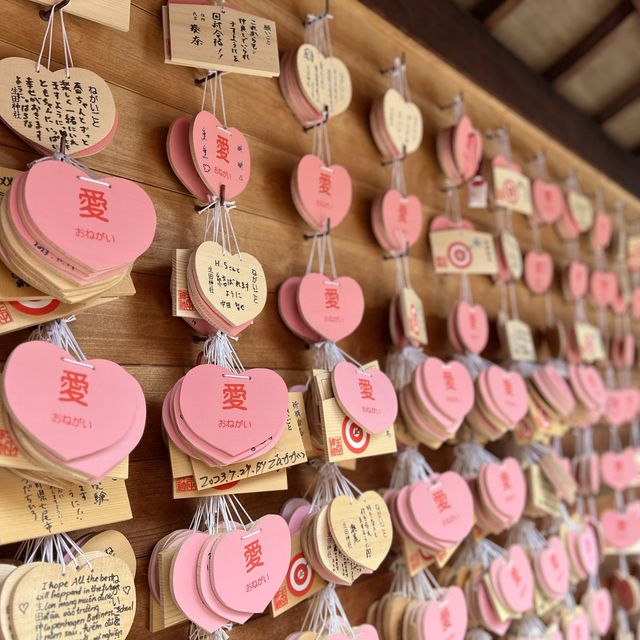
pixel 472 326
pixel 577 279
pixel 603 287
pixel 466 148
pixel 366 632
pixel 221 155
pixel 600 234
pixel 367 397
pixel 99 224
pixel 332 308
pixel 514 579
pixel 553 565
pixel 548 200
pixel 449 386
pixel 506 487
pixel 401 219
pixel 181 160
pixel 444 618
pixel 508 392
pixel 324 192
pixel 234 412
pixel 248 567
pixel 600 610
pixel 538 271
pixel 619 470
pixel 73 409
pixel 578 628
pixel 443 507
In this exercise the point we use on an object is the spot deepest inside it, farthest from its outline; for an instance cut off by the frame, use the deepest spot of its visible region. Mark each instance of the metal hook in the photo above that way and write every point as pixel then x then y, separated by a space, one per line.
pixel 393 256
pixel 310 19
pixel 403 58
pixel 209 76
pixel 45 14
pixel 455 102
pixel 63 142
pixel 323 234
pixel 402 158
pixel 325 119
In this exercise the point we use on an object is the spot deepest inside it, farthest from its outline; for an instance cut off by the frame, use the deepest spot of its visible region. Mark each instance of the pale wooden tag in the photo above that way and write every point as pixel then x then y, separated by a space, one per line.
pixel 39 105
pixel 211 37
pixel 541 497
pixel 519 339
pixel 414 324
pixel 581 209
pixel 6 179
pixel 300 583
pixel 96 600
pixel 512 254
pixel 112 543
pixel 415 557
pixel 110 13
pixel 512 190
pixel 589 341
pixel 185 486
pixel 463 251
pixel 402 120
pixel 28 510
pixel 633 252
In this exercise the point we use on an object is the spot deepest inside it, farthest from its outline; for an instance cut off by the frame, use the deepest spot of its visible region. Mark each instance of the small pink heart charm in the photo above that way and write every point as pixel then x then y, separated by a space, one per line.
pixel 73 409
pixel 332 308
pixel 548 200
pixel 367 397
pixel 115 216
pixel 324 192
pixel 538 271
pixel 401 219
pixel 248 567
pixel 221 155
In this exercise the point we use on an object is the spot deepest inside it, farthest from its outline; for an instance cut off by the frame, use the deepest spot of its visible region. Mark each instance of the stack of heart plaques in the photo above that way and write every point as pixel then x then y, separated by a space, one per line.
pixel 223 577
pixel 88 417
pixel 396 125
pixel 348 537
pixel 71 235
pixel 500 495
pixel 436 401
pixel 222 417
pixel 316 87
pixel 501 401
pixel 317 307
pixel 459 150
pixel 396 220
pixel 589 392
pixel 435 514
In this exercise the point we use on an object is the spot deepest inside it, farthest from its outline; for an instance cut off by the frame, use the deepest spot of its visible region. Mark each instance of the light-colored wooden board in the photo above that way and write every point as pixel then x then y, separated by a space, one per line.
pixel 624 127
pixel 110 13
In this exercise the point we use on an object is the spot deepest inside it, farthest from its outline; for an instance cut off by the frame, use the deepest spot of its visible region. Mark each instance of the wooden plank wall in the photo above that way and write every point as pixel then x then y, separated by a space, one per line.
pixel 140 333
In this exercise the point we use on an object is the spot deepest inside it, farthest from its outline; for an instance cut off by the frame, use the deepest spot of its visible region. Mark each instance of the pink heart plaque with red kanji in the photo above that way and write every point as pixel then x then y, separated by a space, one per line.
pixel 401 219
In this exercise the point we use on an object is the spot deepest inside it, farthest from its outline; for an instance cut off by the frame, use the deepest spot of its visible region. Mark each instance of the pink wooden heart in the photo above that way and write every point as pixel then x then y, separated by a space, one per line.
pixel 401 219
pixel 553 564
pixel 467 148
pixel 214 400
pixel 619 470
pixel 444 223
pixel 506 487
pixel 116 217
pixel 289 312
pixel 587 548
pixel 615 409
pixel 635 303
pixel 603 287
pixel 366 632
pixel 472 326
pixel 538 271
pixel 221 156
pixel 548 200
pixel 332 308
pixel 325 192
pixel 184 584
pixel 515 580
pixel 248 567
pixel 489 617
pixel 367 397
pixel 73 409
pixel 509 393
pixel 443 507
pixel 600 610
pixel 446 617
pixel 600 234
pixel 449 387
pixel 181 160
pixel 578 279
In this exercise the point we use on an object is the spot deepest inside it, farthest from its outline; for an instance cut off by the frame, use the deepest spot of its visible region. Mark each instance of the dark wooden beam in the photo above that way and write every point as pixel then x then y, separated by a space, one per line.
pixel 587 46
pixel 616 105
pixel 492 12
pixel 458 38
